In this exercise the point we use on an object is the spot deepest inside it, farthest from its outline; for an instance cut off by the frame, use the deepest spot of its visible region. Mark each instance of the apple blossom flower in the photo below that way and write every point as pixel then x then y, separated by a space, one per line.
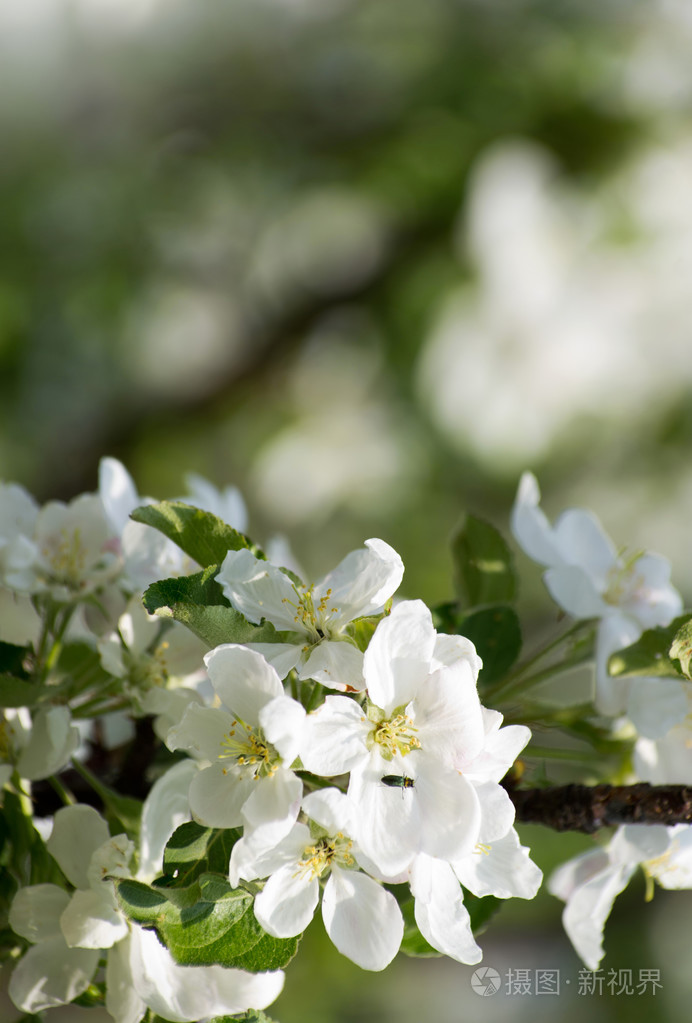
pixel 422 722
pixel 588 577
pixel 590 883
pixel 361 917
pixel 69 934
pixel 319 614
pixel 249 744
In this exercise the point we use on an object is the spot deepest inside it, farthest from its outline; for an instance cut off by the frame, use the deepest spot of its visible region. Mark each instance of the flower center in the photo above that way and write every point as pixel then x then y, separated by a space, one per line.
pixel 150 671
pixel 318 858
pixel 310 617
pixel 396 736
pixel 66 557
pixel 622 580
pixel 250 751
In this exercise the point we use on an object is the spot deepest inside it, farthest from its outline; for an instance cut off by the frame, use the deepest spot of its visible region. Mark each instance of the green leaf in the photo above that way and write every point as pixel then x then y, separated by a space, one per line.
pixel 15 692
pixel 681 648
pixel 203 537
pixel 483 564
pixel 494 631
pixel 651 654
pixel 361 630
pixel 481 911
pixel 12 659
pixel 193 850
pixel 197 601
pixel 413 943
pixel 200 932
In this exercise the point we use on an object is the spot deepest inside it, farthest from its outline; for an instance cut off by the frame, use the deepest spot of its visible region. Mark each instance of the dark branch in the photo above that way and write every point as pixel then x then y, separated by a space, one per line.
pixel 588 808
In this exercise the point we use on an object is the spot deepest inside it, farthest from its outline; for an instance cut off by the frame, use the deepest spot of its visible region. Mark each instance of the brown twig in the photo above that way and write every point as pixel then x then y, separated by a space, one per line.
pixel 590 807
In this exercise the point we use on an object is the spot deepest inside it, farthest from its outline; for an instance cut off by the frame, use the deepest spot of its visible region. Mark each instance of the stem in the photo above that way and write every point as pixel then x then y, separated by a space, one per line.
pixel 519 680
pixel 588 808
pixel 64 793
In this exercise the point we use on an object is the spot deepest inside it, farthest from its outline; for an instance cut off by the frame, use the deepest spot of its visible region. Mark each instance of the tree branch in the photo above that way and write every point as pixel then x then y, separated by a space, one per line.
pixel 590 807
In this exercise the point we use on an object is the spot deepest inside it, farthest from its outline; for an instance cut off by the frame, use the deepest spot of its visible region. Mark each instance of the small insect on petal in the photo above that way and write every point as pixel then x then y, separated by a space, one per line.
pixel 397 781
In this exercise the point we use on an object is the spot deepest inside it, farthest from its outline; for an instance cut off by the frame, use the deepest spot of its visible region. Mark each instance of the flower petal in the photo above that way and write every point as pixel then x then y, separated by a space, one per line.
pixel 217 795
pixel 440 913
pixel 398 658
pixel 283 721
pixel 503 870
pixel 361 583
pixel 92 921
pixel 335 663
pixel 78 831
pixel 334 740
pixel 287 903
pixel 35 911
pixel 259 590
pixel 165 808
pixel 51 974
pixel 362 919
pixel 243 680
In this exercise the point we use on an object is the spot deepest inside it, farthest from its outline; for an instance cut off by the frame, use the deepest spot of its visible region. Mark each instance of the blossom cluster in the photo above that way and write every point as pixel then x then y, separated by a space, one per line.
pixel 336 736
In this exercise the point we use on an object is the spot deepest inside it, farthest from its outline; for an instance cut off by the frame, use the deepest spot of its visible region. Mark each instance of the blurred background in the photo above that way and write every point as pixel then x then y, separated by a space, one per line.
pixel 367 261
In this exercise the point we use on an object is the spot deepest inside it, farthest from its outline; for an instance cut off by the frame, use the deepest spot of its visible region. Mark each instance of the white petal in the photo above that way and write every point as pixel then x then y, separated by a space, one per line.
pixel 77 832
pixel 361 583
pixel 398 658
pixel 184 994
pixel 501 748
pixel 51 974
pixel 283 722
pixel 674 869
pixel 447 714
pixel 614 633
pixel 530 526
pixel 202 732
pixel 52 742
pixel 450 813
pixel 217 795
pixel 259 590
pixel 122 1001
pixel 497 811
pixel 271 809
pixel 573 589
pixel 92 921
pixel 334 740
pixel 287 903
pixel 582 541
pixel 165 809
pixel 503 870
pixel 282 656
pixel 35 911
pixel 655 705
pixel 243 680
pixel 362 919
pixel 331 809
pixel 118 493
pixel 250 860
pixel 450 649
pixel 440 913
pixel 335 663
pixel 588 909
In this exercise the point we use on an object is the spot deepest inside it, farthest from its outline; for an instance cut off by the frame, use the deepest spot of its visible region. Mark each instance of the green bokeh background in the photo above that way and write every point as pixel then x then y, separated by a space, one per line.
pixel 232 236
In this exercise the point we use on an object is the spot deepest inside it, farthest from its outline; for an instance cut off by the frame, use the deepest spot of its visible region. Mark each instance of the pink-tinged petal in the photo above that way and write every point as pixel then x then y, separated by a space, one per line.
pixel 501 749
pixel 122 1001
pixel 450 649
pixel 166 807
pixel 287 903
pixel 399 656
pixel 362 919
pixel 335 736
pixel 581 540
pixel 336 664
pixel 574 591
pixel 497 811
pixel 655 705
pixel 36 910
pixel 361 583
pixel 448 717
pixel 51 974
pixel 91 921
pixel 530 526
pixel 271 809
pixel 283 722
pixel 614 633
pixel 202 732
pixel 283 657
pixel 217 796
pixel 502 869
pixel 78 831
pixel 184 994
pixel 243 680
pixel 331 809
pixel 250 860
pixel 440 913
pixel 259 590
